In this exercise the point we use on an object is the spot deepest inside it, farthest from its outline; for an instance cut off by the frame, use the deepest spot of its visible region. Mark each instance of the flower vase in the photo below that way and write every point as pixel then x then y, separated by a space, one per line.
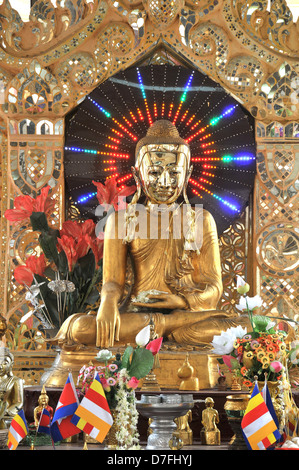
pixel 123 434
pixel 235 407
pixel 111 441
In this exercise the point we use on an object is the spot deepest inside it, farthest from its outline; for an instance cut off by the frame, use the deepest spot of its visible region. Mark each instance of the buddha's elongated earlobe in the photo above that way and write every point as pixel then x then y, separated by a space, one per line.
pixel 186 184
pixel 137 195
pixel 130 216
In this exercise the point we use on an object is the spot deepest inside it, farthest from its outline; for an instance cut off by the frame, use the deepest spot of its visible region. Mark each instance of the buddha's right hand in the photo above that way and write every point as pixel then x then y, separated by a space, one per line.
pixel 108 325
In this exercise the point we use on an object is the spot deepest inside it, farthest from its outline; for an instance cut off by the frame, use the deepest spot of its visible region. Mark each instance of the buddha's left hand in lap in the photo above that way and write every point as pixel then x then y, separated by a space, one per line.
pixel 171 301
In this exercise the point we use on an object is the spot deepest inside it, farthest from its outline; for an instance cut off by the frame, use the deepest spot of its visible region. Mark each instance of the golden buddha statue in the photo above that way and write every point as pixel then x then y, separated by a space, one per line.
pixel 210 434
pixel 43 402
pixel 183 431
pixel 11 389
pixel 177 271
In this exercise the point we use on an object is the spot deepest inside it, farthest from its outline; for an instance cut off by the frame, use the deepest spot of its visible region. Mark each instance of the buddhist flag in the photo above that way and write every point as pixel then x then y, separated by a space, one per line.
pixel 61 426
pixel 93 414
pixel 17 431
pixel 258 426
pixel 268 400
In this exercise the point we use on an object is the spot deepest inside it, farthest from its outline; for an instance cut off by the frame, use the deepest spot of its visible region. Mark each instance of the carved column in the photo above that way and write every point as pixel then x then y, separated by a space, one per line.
pixel 34 159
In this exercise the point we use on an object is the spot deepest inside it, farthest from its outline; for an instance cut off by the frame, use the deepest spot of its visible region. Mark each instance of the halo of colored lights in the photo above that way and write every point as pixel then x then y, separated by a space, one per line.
pixel 102 133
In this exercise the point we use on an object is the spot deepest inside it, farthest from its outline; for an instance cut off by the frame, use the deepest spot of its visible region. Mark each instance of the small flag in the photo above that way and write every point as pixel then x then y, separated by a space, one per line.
pixel 93 415
pixel 17 431
pixel 44 422
pixel 258 426
pixel 268 400
pixel 61 426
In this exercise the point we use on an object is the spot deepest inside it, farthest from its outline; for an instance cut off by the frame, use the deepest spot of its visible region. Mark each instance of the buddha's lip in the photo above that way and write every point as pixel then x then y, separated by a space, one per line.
pixel 162 192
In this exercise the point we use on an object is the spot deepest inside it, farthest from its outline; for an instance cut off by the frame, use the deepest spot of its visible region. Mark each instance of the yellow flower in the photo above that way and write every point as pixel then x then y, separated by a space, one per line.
pixel 247 359
pixel 260 353
pixel 265 359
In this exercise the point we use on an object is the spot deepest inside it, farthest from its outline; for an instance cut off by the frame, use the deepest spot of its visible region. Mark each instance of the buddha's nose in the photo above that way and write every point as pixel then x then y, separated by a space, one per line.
pixel 164 180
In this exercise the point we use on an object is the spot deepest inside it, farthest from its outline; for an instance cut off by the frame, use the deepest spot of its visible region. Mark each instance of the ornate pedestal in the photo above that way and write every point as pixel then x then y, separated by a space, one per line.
pixel 205 366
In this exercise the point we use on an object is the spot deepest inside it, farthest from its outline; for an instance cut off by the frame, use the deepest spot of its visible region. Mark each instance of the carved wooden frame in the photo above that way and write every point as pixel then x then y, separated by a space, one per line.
pixel 50 63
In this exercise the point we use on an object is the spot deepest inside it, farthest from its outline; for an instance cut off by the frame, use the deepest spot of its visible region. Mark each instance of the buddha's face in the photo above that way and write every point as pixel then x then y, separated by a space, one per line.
pixel 5 366
pixel 163 171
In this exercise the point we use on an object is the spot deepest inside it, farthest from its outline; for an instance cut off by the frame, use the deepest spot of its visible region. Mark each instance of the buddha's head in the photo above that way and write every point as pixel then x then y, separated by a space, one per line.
pixel 43 399
pixel 6 361
pixel 162 165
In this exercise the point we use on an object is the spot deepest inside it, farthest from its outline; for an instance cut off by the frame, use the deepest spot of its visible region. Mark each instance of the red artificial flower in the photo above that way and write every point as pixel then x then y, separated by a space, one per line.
pixel 75 229
pixel 24 206
pixel 77 238
pixel 37 264
pixel 23 275
pixel 67 244
pixel 76 248
pixel 97 247
pixel 42 203
pixel 108 194
pixel 82 246
pixel 155 345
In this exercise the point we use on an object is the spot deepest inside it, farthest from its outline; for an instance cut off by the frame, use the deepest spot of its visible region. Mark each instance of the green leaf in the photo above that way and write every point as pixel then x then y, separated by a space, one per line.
pixel 62 263
pixel 48 245
pixel 87 266
pixel 126 357
pixel 141 364
pixel 261 322
pixel 39 222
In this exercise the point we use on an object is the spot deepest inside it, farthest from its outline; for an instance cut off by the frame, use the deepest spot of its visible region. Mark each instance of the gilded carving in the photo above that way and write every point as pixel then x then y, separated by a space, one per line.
pixel 35 91
pixel 274 28
pixel 162 13
pixel 278 167
pixel 278 95
pixel 45 24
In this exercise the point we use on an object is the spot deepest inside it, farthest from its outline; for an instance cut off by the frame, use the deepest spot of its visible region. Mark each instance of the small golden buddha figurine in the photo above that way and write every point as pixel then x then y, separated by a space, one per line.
pixel 43 402
pixel 183 431
pixel 186 373
pixel 177 269
pixel 210 434
pixel 11 389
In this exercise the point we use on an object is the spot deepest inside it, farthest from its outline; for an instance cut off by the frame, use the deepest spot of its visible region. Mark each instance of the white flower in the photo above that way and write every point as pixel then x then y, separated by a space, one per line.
pixel 104 355
pixel 143 337
pixel 250 302
pixel 242 286
pixel 224 343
